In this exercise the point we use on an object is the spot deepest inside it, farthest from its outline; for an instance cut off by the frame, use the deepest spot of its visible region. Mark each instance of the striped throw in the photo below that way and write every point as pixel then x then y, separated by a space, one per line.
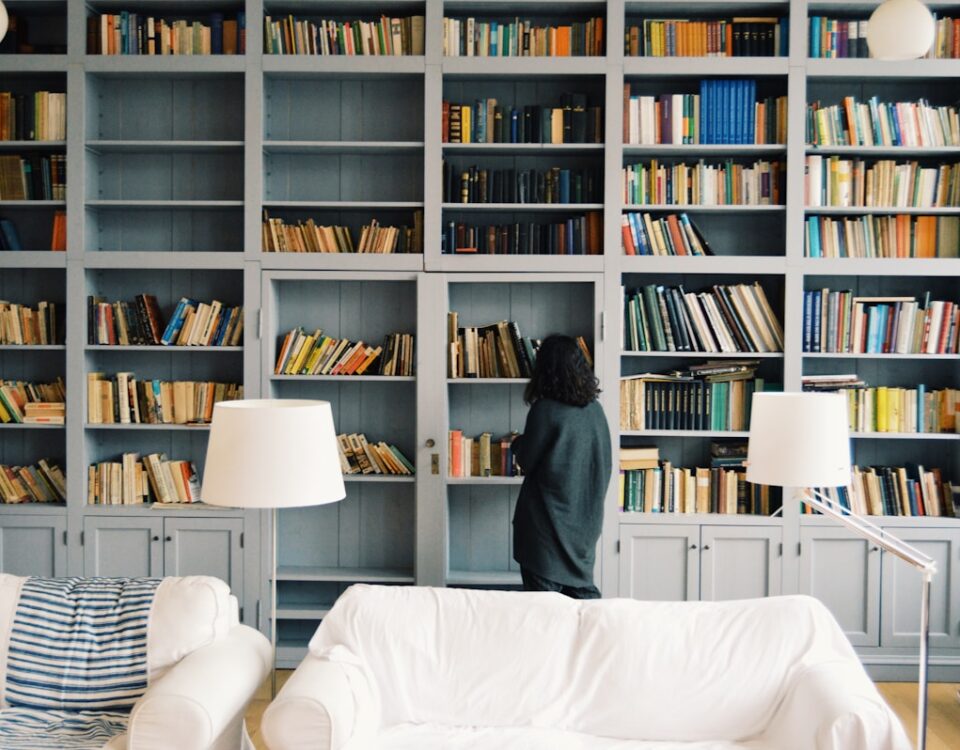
pixel 80 644
pixel 29 729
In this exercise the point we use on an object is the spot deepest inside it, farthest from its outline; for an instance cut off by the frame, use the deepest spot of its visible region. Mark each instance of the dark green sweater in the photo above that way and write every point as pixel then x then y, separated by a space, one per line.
pixel 564 452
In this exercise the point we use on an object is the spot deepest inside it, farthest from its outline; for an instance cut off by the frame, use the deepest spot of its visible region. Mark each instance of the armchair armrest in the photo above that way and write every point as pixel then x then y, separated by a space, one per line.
pixel 835 706
pixel 329 703
pixel 202 696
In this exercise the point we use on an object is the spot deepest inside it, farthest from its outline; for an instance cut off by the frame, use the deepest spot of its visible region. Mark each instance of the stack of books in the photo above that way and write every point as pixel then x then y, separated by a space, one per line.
pixel 123 399
pixel 671 234
pixel 41 483
pixel 309 237
pixel 470 37
pixel 359 456
pixel 200 324
pixel 316 354
pixel 132 481
pixel 23 326
pixel 482 456
pixel 32 403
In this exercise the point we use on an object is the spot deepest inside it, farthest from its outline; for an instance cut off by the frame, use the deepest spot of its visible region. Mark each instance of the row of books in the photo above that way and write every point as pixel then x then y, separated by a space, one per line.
pixel 723 184
pixel 840 321
pixel 481 456
pixel 714 396
pixel 130 33
pixel 509 185
pixel 837 37
pixel 10 236
pixel 907 490
pixel 139 322
pixel 359 456
pixel 23 326
pixel 486 121
pixel 122 399
pixel 309 237
pixel 33 178
pixel 43 482
pixel 729 318
pixel 471 37
pixel 847 183
pixel 672 234
pixel 892 409
pixel 723 37
pixel 316 354
pixel 134 480
pixel 312 36
pixel 724 112
pixel 577 235
pixel 874 123
pixel 32 403
pixel 37 116
pixel 897 236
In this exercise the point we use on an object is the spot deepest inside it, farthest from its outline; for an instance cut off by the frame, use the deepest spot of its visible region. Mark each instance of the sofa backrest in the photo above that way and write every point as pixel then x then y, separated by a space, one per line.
pixel 684 671
pixel 187 613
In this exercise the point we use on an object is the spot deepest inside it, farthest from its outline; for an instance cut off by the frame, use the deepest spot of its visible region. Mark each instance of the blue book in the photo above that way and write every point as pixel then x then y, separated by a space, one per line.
pixel 807 322
pixel 873 329
pixel 895 129
pixel 704 113
pixel 784 50
pixel 815 36
pixel 9 237
pixel 921 413
pixel 726 109
pixel 569 236
pixel 514 126
pixel 479 121
pixel 216 33
pixel 176 321
pixel 493 39
pixel 241 32
pixel 817 303
pixel 813 237
pixel 565 186
pixel 752 113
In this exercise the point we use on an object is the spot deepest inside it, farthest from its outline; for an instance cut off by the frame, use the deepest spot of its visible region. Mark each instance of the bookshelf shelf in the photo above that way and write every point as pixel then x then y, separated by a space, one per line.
pixel 706 355
pixel 379 479
pixel 484 578
pixel 719 519
pixel 150 427
pixel 303 613
pixel 854 68
pixel 746 264
pixel 948 436
pixel 467 262
pixel 891 151
pixel 685 433
pixel 881 266
pixel 32 259
pixel 705 66
pixel 524 66
pixel 522 148
pixel 699 150
pixel 344 378
pixel 847 355
pixel 34 204
pixel 162 204
pixel 32 145
pixel 33 348
pixel 484 481
pixel 522 207
pixel 487 381
pixel 40 509
pixel 133 146
pixel 857 210
pixel 120 259
pixel 394 262
pixel 346 205
pixel 163 349
pixel 344 65
pixel 698 209
pixel 352 575
pixel 33 63
pixel 189 65
pixel 342 147
pixel 20 426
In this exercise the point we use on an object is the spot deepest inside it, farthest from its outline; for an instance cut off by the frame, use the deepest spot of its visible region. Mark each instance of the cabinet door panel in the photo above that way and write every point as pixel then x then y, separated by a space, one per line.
pixel 32 546
pixel 660 562
pixel 205 546
pixel 901 591
pixel 122 547
pixel 740 562
pixel 843 571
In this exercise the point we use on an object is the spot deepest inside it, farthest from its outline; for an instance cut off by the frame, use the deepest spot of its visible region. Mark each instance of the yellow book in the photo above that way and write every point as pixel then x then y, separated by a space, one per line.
pixel 881 409
pixel 621 490
pixel 465 116
pixel 304 353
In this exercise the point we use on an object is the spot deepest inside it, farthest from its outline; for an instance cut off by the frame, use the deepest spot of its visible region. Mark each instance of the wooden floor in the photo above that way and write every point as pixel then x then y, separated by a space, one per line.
pixel 943 726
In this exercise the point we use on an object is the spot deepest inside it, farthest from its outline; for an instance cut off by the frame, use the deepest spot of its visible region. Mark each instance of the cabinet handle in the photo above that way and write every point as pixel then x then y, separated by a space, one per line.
pixel 693 546
pixel 706 547
pixel 155 539
pixel 430 442
pixel 874 549
pixel 168 539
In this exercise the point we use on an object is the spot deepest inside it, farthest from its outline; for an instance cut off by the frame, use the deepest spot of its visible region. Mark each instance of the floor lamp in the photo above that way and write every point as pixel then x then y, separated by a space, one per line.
pixel 272 453
pixel 802 441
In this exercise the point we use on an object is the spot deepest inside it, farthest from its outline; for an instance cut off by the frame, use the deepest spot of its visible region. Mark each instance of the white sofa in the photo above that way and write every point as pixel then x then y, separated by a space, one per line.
pixel 202 670
pixel 405 668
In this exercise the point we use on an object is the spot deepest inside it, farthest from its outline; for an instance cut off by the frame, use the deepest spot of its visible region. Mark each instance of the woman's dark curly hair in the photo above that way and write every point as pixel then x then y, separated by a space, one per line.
pixel 561 373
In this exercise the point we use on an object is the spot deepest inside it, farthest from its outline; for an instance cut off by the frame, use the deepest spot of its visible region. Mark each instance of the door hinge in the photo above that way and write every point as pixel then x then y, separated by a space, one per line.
pixel 241 614
pixel 241 540
pixel 64 537
pixel 618 546
pixel 260 323
pixel 259 624
pixel 434 463
pixel 799 548
pixel 603 325
pixel 81 539
pixel 780 551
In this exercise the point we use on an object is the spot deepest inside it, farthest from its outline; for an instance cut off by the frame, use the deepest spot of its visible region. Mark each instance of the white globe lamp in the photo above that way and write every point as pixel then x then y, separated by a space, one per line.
pixel 4 21
pixel 900 30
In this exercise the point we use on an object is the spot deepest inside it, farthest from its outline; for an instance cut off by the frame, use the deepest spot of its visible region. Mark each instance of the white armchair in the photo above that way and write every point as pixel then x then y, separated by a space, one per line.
pixel 199 668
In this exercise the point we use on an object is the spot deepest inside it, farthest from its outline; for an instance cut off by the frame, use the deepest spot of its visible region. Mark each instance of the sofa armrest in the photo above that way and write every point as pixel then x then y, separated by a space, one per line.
pixel 835 706
pixel 203 695
pixel 329 703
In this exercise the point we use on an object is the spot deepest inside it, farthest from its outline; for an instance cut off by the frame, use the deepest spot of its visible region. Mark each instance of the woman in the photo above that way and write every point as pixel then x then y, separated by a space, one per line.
pixel 564 452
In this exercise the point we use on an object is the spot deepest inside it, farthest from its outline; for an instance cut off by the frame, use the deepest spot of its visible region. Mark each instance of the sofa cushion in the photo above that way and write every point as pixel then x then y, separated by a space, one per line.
pixel 421 736
pixel 513 659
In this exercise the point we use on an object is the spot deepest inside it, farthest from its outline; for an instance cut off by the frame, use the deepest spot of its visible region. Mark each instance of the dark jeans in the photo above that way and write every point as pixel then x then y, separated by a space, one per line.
pixel 533 582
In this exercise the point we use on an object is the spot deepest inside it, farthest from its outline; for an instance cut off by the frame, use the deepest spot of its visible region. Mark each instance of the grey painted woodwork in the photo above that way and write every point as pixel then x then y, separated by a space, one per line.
pixel 660 563
pixel 843 571
pixel 740 562
pixel 33 544
pixel 900 593
pixel 117 546
pixel 204 546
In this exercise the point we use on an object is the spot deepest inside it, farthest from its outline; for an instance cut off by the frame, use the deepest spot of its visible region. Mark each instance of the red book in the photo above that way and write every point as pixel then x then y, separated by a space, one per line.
pixel 445 122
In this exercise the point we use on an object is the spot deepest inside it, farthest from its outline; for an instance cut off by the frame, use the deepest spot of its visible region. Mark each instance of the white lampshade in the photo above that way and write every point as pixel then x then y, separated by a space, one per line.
pixel 900 30
pixel 4 21
pixel 272 453
pixel 799 440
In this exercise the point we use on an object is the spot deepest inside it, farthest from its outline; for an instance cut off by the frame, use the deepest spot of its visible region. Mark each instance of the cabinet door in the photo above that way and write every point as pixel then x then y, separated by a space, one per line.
pixel 740 562
pixel 33 545
pixel 843 571
pixel 122 547
pixel 205 546
pixel 900 593
pixel 660 562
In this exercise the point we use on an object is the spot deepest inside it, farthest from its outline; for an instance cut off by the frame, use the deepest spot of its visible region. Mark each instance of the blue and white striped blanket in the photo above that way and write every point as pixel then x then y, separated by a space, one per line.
pixel 77 661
